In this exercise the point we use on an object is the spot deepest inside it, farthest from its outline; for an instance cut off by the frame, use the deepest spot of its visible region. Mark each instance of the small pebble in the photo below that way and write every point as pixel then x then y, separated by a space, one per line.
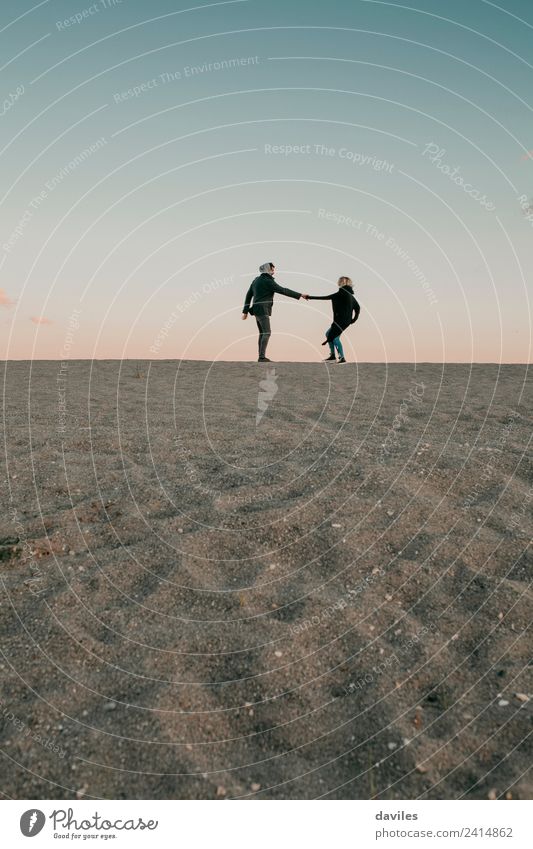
pixel 255 786
pixel 221 791
pixel 503 703
pixel 110 706
pixel 391 746
pixel 492 794
pixel 522 697
pixel 336 526
pixel 278 653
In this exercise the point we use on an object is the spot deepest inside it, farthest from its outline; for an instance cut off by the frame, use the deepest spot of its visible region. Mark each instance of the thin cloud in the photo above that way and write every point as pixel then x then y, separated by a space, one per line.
pixel 4 300
pixel 41 319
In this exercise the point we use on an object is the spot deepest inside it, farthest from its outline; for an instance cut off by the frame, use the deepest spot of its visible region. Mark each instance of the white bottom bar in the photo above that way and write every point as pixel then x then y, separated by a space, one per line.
pixel 265 824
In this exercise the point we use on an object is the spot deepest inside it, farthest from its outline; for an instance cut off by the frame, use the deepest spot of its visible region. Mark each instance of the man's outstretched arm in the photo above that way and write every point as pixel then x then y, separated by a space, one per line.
pixel 290 293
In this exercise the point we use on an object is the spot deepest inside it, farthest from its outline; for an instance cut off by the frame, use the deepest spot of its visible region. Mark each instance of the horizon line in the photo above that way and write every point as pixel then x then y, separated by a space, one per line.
pixel 275 362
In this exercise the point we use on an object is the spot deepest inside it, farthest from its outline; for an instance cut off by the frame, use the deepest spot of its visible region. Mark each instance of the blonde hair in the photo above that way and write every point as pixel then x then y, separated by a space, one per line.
pixel 344 281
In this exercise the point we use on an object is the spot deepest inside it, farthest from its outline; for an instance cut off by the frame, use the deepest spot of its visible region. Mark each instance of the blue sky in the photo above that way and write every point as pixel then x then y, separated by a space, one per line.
pixel 153 156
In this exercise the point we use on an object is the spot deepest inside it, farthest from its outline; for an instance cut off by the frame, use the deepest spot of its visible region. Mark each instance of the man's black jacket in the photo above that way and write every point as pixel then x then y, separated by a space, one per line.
pixel 345 307
pixel 262 290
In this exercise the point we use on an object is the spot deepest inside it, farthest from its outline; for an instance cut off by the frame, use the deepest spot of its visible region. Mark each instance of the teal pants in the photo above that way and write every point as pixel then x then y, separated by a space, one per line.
pixel 335 344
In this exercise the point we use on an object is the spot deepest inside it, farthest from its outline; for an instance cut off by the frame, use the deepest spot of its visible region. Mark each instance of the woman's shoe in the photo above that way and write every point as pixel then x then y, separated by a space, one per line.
pixel 342 360
pixel 331 359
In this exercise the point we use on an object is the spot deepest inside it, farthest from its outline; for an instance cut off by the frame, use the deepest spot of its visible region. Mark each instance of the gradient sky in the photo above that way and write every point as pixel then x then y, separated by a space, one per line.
pixel 151 239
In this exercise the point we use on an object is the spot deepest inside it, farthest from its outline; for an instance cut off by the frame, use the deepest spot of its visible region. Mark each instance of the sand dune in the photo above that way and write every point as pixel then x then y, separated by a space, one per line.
pixel 329 601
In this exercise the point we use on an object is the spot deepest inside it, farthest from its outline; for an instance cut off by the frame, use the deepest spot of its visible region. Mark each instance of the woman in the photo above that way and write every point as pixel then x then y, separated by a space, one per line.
pixel 345 312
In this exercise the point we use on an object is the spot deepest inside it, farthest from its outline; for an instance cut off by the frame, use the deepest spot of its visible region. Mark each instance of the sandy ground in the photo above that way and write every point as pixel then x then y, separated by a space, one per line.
pixel 330 601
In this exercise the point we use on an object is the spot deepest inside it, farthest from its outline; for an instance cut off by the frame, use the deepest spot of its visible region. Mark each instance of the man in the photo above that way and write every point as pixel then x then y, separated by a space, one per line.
pixel 262 292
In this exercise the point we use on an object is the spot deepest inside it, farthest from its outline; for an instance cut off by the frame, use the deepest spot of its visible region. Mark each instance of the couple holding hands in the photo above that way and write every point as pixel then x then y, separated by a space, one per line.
pixel 260 297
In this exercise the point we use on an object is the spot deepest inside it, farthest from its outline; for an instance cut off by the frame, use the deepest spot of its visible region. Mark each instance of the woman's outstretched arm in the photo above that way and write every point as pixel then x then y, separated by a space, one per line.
pixel 320 297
